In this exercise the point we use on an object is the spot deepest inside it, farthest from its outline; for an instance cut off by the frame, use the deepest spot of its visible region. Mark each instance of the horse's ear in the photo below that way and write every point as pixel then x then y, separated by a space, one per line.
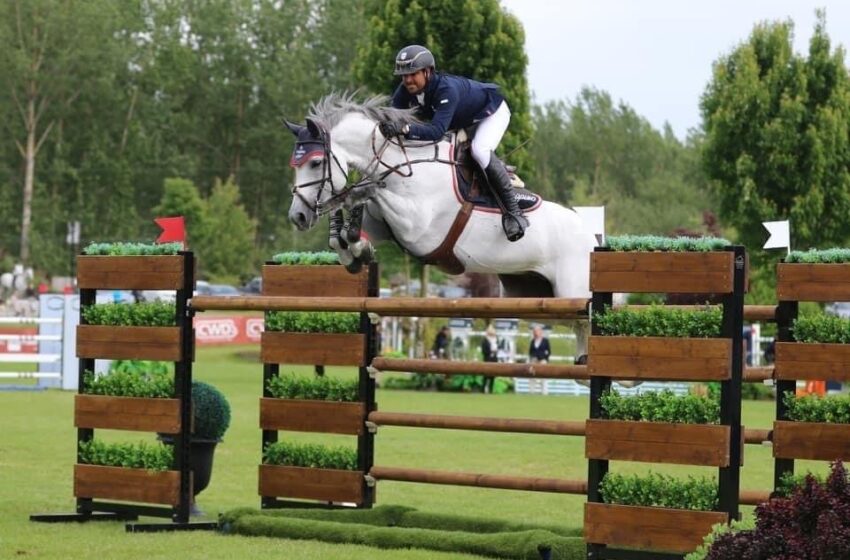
pixel 294 128
pixel 314 128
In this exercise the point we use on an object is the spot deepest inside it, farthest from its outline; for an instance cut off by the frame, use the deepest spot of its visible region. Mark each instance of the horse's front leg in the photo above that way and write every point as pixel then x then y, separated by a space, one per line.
pixel 336 240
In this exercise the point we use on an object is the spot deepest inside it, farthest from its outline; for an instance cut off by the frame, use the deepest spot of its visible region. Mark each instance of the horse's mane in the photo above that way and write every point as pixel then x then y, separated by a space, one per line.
pixel 333 107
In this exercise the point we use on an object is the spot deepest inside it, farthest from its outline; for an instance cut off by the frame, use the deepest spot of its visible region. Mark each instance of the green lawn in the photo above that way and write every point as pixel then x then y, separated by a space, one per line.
pixel 37 453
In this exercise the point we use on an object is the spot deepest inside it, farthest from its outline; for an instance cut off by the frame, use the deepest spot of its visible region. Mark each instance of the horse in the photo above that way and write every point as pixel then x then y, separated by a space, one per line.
pixel 410 195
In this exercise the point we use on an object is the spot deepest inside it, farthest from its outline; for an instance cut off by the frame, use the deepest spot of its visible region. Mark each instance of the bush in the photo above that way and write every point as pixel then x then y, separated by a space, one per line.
pixel 661 321
pixel 658 490
pixel 661 406
pixel 125 384
pixel 822 328
pixel 812 408
pixel 211 411
pixel 132 249
pixel 314 388
pixel 658 243
pixel 151 314
pixel 719 529
pixel 312 322
pixel 138 366
pixel 139 456
pixel 834 255
pixel 814 523
pixel 318 258
pixel 310 455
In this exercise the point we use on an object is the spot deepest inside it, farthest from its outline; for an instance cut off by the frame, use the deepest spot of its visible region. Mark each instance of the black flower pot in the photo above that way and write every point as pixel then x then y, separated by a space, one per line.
pixel 201 453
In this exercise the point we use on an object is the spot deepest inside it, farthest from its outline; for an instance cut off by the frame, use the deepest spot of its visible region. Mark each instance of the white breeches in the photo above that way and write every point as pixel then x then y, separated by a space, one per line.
pixel 489 134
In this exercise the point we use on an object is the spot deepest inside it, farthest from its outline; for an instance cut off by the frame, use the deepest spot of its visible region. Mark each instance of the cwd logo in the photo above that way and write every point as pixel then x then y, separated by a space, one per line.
pixel 216 329
pixel 253 329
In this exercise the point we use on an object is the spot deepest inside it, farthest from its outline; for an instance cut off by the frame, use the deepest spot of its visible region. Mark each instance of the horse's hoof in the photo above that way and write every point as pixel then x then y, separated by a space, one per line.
pixel 354 267
pixel 581 360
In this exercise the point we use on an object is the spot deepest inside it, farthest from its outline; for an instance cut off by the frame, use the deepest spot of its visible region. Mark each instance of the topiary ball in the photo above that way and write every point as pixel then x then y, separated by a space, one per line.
pixel 211 411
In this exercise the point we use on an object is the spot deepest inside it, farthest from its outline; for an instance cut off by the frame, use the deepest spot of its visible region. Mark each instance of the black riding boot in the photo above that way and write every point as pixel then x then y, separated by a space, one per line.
pixel 513 222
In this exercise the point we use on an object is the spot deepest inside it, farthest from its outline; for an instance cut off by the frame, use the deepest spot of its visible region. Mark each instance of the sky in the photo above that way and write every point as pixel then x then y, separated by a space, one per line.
pixel 654 55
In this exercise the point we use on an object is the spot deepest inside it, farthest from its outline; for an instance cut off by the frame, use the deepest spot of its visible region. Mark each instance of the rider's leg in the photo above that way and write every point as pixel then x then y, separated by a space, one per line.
pixel 487 138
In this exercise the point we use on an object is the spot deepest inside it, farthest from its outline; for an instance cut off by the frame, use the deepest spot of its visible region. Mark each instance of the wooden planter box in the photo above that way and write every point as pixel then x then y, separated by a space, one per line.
pixel 676 272
pixel 673 359
pixel 649 528
pixel 313 349
pixel 313 416
pixel 314 281
pixel 326 485
pixel 127 413
pixel 799 360
pixel 129 343
pixel 657 442
pixel 813 282
pixel 811 440
pixel 129 485
pixel 161 272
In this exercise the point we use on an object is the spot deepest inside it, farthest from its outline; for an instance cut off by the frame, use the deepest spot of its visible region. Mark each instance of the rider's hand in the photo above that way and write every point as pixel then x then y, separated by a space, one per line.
pixel 390 129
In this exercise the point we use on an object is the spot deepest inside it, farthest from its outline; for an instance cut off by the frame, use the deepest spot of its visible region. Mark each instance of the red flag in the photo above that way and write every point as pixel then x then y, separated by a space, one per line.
pixel 173 229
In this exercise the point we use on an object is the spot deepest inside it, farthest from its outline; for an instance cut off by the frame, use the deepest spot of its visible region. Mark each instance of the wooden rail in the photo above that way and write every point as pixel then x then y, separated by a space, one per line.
pixel 757 373
pixel 488 369
pixel 505 482
pixel 515 425
pixel 538 308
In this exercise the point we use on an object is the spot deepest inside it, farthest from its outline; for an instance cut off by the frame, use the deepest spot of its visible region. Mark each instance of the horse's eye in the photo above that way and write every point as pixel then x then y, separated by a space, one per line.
pixel 315 163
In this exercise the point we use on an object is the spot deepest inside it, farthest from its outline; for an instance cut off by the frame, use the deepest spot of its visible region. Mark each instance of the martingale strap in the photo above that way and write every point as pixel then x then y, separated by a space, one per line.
pixel 444 256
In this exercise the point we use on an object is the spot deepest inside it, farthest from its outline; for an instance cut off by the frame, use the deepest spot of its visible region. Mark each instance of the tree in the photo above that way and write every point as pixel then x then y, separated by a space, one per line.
pixel 226 251
pixel 475 39
pixel 181 198
pixel 777 136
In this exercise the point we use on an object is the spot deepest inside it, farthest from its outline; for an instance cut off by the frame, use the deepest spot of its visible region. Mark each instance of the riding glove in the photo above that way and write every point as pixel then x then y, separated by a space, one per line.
pixel 390 129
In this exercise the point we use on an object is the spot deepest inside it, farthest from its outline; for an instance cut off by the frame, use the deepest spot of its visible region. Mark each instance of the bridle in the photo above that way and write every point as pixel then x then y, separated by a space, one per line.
pixel 372 178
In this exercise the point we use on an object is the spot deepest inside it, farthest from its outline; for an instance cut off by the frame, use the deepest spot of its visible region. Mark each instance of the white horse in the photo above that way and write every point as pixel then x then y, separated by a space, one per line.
pixel 411 197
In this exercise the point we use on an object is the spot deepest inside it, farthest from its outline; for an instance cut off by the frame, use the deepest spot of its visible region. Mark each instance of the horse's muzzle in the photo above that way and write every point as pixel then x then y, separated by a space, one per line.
pixel 300 220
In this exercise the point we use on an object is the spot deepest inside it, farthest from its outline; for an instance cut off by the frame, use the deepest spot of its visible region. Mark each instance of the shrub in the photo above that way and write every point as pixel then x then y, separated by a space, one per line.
pixel 314 388
pixel 811 408
pixel 139 455
pixel 658 243
pixel 790 482
pixel 719 529
pixel 211 411
pixel 318 258
pixel 125 384
pixel 813 523
pixel 310 455
pixel 658 490
pixel 661 406
pixel 661 321
pixel 312 322
pixel 138 366
pixel 132 249
pixel 821 328
pixel 151 314
pixel 834 255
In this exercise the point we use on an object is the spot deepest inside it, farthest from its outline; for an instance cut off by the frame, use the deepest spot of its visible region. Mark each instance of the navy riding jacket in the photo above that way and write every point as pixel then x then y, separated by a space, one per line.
pixel 451 103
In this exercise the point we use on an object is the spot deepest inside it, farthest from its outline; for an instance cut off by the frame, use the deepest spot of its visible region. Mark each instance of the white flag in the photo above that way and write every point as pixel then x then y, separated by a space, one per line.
pixel 593 220
pixel 780 235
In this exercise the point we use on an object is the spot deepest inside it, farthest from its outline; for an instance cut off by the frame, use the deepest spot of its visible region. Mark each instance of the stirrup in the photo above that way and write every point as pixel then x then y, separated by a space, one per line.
pixel 518 231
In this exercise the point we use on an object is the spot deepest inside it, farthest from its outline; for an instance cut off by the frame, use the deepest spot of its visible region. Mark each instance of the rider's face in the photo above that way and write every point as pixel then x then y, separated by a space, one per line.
pixel 415 83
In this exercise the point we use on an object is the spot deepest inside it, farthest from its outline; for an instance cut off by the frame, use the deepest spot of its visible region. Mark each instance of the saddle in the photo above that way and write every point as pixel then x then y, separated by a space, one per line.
pixel 472 184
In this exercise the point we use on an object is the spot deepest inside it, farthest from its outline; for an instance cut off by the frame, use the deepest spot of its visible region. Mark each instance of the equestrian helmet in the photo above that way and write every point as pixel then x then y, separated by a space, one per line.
pixel 413 58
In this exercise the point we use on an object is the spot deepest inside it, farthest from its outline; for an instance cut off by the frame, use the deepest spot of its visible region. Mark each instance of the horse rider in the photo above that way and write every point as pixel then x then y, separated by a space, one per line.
pixel 452 103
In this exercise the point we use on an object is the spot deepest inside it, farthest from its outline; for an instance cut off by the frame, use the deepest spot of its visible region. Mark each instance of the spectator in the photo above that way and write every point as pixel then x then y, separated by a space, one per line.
pixel 539 350
pixel 490 352
pixel 440 350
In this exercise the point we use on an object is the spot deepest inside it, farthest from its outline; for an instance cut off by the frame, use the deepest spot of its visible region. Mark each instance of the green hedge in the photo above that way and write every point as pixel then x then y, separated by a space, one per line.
pixel 310 455
pixel 835 255
pixel 125 384
pixel 658 320
pixel 520 545
pixel 821 328
pixel 155 457
pixel 132 249
pixel 659 490
pixel 312 322
pixel 833 409
pixel 314 388
pixel 318 258
pixel 662 406
pixel 645 243
pixel 150 314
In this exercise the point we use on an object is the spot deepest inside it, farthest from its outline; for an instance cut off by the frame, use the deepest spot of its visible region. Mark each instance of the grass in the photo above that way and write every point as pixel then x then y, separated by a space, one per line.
pixel 37 454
